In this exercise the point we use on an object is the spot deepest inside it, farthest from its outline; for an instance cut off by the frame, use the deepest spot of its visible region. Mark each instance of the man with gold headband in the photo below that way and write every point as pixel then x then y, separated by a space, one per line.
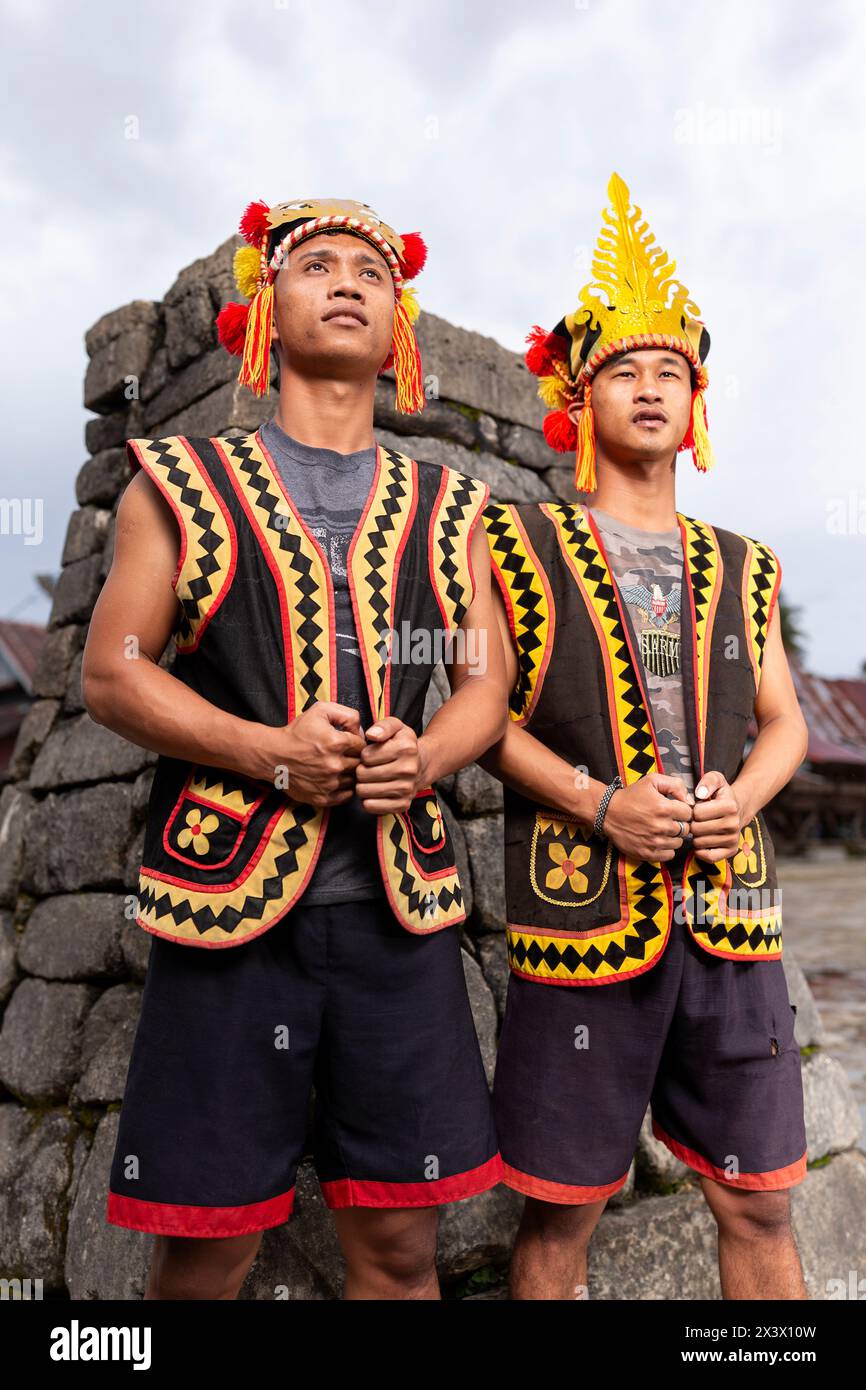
pixel 643 913
pixel 299 878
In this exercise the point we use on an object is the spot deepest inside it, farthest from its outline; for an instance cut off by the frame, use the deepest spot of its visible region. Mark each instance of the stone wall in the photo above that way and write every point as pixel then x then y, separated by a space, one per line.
pixel 72 962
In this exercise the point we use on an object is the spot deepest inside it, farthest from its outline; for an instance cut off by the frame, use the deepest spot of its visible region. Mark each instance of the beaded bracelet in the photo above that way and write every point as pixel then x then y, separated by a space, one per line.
pixel 614 786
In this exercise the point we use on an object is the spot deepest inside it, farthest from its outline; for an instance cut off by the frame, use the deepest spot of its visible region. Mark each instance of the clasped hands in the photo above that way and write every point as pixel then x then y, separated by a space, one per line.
pixel 329 759
pixel 644 819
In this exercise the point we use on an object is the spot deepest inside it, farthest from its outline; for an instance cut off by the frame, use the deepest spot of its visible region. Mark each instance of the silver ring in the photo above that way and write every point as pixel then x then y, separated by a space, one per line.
pixel 682 828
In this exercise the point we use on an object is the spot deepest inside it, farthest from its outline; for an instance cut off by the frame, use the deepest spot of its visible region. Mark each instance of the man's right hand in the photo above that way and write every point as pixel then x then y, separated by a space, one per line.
pixel 641 819
pixel 314 758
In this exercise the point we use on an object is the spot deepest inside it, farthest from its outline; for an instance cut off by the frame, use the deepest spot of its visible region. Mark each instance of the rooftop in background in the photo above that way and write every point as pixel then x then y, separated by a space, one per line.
pixel 835 711
pixel 20 647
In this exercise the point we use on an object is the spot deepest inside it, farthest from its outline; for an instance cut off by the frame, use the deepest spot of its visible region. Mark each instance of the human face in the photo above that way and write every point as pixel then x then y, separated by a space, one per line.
pixel 334 307
pixel 641 403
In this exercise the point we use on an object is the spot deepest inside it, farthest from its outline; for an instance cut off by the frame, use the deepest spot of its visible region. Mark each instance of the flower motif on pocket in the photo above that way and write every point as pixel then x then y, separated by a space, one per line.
pixel 196 831
pixel 567 867
pixel 746 859
pixel 435 815
pixel 568 861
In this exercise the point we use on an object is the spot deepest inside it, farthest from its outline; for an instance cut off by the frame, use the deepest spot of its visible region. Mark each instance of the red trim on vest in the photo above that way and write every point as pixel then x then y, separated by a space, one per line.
pixel 355 1192
pixel 235 882
pixel 170 1219
pixel 187 795
pixel 771 1181
pixel 775 594
pixel 425 849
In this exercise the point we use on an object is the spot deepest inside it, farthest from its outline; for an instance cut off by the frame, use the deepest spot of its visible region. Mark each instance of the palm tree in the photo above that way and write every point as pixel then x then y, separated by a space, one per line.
pixel 793 636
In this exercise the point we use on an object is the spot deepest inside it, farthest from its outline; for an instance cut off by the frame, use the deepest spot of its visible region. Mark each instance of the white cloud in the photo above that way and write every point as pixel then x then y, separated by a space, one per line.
pixel 492 129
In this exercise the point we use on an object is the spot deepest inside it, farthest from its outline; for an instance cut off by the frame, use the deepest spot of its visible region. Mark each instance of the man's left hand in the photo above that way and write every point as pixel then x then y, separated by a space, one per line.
pixel 716 818
pixel 391 768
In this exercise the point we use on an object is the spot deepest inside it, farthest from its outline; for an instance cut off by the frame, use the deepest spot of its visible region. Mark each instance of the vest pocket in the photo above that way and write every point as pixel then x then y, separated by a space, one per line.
pixel 569 866
pixel 430 842
pixel 211 816
pixel 733 907
pixel 752 865
pixel 419 863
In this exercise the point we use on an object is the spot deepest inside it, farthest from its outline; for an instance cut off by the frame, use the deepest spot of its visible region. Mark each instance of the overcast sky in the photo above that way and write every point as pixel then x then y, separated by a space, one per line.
pixel 492 129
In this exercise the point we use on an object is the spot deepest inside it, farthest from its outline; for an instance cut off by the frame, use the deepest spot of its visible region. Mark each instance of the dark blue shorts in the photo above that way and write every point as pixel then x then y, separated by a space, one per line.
pixel 708 1044
pixel 231 1042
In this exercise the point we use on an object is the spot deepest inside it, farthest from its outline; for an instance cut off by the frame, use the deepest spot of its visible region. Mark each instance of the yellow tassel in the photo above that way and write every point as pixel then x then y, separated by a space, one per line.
pixel 407 363
pixel 702 450
pixel 410 302
pixel 256 365
pixel 551 391
pixel 584 473
pixel 246 270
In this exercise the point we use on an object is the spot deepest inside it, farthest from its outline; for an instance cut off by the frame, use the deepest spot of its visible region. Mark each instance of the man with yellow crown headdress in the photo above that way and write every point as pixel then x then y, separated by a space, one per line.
pixel 643 913
pixel 285 561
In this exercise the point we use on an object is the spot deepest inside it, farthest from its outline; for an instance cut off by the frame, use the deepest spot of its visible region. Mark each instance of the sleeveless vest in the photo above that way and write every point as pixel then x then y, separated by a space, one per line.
pixel 227 856
pixel 579 912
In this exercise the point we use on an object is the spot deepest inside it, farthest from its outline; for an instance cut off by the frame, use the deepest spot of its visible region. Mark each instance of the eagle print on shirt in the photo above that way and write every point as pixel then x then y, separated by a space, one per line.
pixel 648 569
pixel 659 648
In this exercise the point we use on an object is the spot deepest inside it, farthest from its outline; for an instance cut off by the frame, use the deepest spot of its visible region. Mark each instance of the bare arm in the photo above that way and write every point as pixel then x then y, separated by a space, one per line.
pixel 125 688
pixel 783 737
pixel 476 714
pixel 721 810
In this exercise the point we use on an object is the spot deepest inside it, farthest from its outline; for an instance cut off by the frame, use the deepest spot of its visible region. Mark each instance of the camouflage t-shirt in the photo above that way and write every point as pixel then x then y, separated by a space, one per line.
pixel 648 569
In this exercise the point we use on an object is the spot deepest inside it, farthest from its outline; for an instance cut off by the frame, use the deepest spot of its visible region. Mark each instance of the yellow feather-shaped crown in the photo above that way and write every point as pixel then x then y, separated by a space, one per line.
pixel 633 299
pixel 632 302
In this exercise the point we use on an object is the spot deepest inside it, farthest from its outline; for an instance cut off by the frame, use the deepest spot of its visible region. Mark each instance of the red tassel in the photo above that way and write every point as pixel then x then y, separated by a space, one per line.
pixel 560 432
pixel 414 256
pixel 544 349
pixel 253 225
pixel 688 441
pixel 231 325
pixel 388 363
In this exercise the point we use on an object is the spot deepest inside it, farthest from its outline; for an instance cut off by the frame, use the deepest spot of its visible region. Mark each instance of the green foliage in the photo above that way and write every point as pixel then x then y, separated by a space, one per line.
pixel 481 1280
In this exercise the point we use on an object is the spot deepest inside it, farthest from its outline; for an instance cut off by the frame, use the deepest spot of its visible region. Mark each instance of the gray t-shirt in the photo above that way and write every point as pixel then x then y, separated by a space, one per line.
pixel 329 490
pixel 648 568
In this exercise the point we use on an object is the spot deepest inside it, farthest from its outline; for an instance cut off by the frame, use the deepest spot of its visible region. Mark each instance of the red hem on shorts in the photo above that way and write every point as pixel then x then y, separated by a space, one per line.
pixel 363 1192
pixel 168 1219
pixel 563 1192
pixel 773 1180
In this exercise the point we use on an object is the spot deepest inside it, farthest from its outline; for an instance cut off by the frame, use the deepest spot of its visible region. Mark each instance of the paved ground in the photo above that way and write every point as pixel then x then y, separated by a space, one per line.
pixel 824 924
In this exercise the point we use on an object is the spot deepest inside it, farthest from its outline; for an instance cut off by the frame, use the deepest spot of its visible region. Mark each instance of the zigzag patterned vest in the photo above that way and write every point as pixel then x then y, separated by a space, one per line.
pixel 227 856
pixel 580 913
